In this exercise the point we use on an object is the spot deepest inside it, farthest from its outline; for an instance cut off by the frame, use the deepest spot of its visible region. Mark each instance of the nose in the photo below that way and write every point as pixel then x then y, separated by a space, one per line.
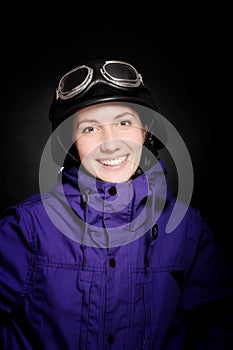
pixel 111 141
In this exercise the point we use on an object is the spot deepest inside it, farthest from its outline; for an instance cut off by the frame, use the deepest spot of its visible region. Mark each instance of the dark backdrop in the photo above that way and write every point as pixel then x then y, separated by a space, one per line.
pixel 184 56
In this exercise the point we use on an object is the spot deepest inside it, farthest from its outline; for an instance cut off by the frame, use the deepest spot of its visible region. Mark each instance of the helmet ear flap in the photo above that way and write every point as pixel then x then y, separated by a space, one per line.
pixel 149 152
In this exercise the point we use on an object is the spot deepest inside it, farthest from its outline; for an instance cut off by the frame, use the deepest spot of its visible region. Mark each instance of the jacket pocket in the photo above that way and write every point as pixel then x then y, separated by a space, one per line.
pixel 60 302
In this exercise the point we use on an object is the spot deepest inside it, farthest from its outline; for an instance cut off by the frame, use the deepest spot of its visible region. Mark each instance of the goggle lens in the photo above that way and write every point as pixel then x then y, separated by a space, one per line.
pixel 120 71
pixel 74 79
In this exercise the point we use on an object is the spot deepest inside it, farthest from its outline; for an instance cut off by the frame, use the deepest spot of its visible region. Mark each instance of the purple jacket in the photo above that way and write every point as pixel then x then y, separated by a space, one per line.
pixel 90 266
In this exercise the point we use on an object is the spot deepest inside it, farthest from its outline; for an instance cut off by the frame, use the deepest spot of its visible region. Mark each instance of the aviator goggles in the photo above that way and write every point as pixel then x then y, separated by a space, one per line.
pixel 118 73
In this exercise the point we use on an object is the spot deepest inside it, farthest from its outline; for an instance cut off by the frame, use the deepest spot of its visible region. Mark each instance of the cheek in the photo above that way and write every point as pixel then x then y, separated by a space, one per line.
pixel 85 146
pixel 82 148
pixel 138 137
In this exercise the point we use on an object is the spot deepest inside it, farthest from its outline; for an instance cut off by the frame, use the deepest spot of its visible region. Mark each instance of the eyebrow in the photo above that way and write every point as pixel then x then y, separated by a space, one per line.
pixel 98 121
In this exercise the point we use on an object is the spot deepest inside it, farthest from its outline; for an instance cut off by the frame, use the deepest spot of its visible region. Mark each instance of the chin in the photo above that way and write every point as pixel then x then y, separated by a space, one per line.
pixel 115 179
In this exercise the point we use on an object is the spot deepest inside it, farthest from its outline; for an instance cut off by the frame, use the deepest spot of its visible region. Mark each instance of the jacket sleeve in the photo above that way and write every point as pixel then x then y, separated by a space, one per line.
pixel 208 294
pixel 15 256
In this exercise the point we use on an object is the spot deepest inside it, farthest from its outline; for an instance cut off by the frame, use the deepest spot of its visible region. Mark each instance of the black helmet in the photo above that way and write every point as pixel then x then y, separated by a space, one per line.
pixel 99 81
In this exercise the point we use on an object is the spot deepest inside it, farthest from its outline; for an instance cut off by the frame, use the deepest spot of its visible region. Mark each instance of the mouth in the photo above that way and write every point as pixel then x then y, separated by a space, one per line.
pixel 113 162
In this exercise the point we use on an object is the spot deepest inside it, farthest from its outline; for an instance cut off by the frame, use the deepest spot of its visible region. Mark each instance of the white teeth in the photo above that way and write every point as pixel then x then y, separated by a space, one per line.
pixel 113 162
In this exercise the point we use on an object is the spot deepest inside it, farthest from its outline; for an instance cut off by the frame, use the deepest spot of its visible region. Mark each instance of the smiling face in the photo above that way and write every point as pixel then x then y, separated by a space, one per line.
pixel 109 139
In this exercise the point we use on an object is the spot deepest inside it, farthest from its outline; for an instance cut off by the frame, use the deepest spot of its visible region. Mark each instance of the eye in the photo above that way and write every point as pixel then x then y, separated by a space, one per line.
pixel 125 123
pixel 90 129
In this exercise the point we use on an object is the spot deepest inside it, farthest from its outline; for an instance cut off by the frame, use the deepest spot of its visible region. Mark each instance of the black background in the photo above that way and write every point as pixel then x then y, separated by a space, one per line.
pixel 183 54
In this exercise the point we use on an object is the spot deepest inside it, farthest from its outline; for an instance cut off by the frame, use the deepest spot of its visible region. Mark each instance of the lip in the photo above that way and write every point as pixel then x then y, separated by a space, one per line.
pixel 113 163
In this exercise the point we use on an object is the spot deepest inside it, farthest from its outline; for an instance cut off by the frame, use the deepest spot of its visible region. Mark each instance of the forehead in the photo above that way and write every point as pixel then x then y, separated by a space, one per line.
pixel 102 111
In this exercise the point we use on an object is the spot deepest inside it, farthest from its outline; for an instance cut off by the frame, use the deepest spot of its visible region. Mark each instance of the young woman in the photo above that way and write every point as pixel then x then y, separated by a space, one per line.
pixel 90 265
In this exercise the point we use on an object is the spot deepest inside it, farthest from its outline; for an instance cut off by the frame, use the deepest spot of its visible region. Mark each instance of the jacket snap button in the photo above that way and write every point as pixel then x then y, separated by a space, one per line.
pixel 112 191
pixel 111 339
pixel 112 262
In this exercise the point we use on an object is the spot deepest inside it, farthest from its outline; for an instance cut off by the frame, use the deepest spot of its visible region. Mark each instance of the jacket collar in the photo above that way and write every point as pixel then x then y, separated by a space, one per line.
pixel 125 210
